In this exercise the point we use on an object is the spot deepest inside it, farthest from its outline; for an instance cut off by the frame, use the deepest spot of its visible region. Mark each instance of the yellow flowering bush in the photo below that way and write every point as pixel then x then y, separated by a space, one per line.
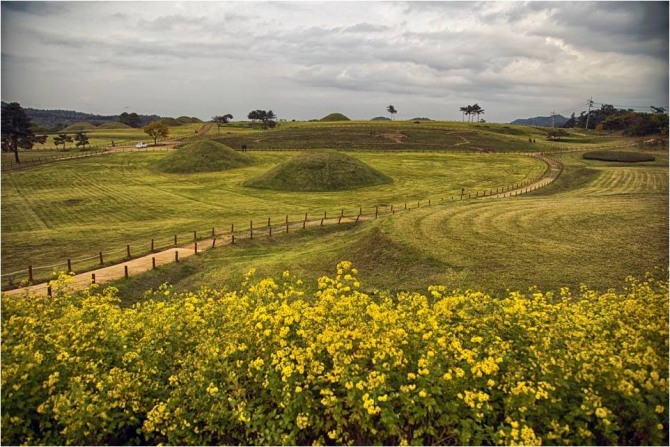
pixel 272 364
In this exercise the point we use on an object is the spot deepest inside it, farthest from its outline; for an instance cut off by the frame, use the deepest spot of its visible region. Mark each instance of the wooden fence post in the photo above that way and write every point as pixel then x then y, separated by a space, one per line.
pixel 30 273
pixel 93 278
pixel 101 260
pixel 269 228
pixel 195 236
pixel 175 240
pixel 153 262
pixel 69 265
pixel 195 247
pixel 128 250
pixel 152 245
pixel 49 291
pixel 251 229
pixel 125 270
pixel 176 256
pixel 376 211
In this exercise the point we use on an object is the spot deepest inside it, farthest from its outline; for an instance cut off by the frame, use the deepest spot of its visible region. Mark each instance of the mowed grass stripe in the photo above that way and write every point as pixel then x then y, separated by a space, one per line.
pixel 548 242
pixel 630 181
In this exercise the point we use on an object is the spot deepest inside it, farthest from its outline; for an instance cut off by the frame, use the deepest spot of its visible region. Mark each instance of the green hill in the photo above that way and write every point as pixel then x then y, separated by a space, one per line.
pixel 320 171
pixel 335 117
pixel 78 127
pixel 203 156
pixel 113 125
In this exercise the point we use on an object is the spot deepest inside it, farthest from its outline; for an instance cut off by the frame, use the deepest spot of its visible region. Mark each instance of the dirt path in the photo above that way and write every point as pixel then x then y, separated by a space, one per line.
pixel 146 263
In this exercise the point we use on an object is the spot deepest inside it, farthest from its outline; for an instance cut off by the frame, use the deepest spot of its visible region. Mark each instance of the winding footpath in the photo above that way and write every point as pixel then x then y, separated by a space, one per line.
pixel 154 260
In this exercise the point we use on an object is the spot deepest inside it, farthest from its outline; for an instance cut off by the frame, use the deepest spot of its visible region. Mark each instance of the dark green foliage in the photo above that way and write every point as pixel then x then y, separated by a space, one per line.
pixel 131 119
pixel 624 157
pixel 320 171
pixel 203 156
pixel 335 117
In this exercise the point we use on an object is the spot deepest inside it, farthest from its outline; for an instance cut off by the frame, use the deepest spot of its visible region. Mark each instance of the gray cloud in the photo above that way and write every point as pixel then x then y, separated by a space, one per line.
pixel 517 59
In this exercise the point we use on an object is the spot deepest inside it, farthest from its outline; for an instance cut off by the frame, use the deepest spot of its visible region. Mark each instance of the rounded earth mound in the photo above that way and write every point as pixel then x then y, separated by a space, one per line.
pixel 335 117
pixel 320 171
pixel 203 156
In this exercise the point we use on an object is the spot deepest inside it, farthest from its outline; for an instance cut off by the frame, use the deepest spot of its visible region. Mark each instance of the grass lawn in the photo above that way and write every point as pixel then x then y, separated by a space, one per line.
pixel 74 209
pixel 596 225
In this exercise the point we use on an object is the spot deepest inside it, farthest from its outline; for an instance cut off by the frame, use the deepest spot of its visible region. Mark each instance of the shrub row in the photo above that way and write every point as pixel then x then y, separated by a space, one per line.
pixel 267 364
pixel 624 157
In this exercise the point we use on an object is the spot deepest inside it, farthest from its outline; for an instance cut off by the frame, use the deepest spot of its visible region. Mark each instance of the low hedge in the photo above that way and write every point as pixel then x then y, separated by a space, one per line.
pixel 623 157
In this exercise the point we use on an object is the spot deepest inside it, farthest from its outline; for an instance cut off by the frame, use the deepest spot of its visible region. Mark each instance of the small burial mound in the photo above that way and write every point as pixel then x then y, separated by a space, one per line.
pixel 114 125
pixel 320 171
pixel 335 117
pixel 622 157
pixel 203 156
pixel 78 127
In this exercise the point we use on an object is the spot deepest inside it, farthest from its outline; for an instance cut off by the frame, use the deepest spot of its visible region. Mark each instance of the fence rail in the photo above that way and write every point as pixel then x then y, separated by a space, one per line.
pixel 266 227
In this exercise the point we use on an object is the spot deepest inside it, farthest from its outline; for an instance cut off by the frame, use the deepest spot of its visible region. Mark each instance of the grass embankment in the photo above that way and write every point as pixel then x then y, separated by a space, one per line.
pixel 74 209
pixel 410 135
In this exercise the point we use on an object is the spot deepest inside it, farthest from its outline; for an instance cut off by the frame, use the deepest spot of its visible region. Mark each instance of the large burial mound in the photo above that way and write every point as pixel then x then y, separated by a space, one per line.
pixel 335 117
pixel 320 171
pixel 203 156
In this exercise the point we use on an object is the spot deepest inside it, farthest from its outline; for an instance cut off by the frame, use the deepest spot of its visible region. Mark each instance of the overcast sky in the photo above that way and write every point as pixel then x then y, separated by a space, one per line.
pixel 304 60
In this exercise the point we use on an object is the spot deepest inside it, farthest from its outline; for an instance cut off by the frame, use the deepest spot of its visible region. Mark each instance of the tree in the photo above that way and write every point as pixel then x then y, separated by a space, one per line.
pixel 81 139
pixel 62 138
pixel 16 129
pixel 391 110
pixel 221 120
pixel 556 134
pixel 130 119
pixel 476 110
pixel 268 118
pixel 156 130
pixel 657 110
pixel 464 109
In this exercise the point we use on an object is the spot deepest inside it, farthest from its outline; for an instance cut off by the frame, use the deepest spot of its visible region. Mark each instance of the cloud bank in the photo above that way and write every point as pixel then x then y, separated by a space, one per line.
pixel 307 59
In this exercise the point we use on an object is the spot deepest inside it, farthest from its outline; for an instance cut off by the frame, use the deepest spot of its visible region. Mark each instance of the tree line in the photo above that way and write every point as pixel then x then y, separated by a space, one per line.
pixel 471 111
pixel 626 121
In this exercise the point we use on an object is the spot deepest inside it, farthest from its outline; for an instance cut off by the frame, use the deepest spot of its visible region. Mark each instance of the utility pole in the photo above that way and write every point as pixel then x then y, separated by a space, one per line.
pixel 553 114
pixel 589 113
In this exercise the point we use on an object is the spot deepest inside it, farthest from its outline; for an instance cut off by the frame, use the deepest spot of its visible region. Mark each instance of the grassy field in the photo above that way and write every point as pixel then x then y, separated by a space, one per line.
pixel 597 224
pixel 74 209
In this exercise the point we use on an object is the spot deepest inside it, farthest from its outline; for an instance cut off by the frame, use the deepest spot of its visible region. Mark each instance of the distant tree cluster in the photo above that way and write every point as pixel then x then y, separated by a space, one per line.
pixel 268 118
pixel 471 111
pixel 222 120
pixel 627 121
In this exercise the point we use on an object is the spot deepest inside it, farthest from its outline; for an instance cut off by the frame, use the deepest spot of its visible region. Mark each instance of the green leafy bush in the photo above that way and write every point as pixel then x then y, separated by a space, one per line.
pixel 267 364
